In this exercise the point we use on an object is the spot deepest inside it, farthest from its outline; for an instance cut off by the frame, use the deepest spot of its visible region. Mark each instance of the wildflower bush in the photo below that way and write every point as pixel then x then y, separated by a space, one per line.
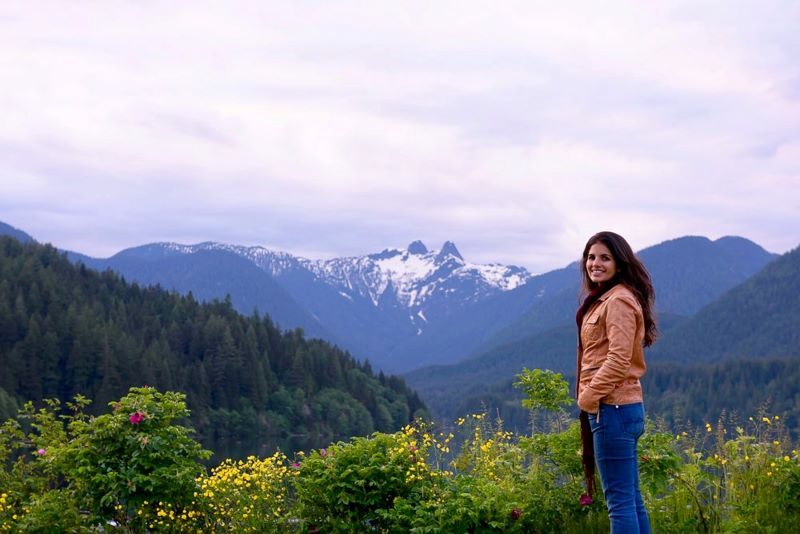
pixel 70 472
pixel 136 453
pixel 490 486
pixel 732 481
pixel 136 469
pixel 251 495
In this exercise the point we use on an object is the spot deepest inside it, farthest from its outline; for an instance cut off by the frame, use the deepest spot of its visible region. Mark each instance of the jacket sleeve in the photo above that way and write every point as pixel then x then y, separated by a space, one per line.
pixel 621 332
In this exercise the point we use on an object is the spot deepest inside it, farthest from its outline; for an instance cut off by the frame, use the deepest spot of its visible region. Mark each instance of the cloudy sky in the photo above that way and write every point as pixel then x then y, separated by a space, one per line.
pixel 514 129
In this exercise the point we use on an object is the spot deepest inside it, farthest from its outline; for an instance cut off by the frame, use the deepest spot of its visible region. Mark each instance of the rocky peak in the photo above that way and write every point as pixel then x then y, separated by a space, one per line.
pixel 448 249
pixel 417 247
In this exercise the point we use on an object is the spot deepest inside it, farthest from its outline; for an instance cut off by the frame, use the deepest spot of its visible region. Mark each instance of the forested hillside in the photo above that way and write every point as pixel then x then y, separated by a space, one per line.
pixel 758 318
pixel 67 330
pixel 208 275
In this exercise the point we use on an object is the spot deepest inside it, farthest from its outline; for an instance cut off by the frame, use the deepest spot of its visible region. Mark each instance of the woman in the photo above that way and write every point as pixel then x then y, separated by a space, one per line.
pixel 615 323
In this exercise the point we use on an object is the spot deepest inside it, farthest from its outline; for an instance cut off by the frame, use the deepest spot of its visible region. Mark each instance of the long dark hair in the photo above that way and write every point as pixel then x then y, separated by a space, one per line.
pixel 631 272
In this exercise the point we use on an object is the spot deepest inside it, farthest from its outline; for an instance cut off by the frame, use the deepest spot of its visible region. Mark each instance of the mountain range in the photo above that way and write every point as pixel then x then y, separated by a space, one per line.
pixel 403 309
pixel 461 331
pixel 377 306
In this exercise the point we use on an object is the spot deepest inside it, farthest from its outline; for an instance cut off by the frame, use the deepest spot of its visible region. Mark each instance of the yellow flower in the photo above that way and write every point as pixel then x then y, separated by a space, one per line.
pixel 786 459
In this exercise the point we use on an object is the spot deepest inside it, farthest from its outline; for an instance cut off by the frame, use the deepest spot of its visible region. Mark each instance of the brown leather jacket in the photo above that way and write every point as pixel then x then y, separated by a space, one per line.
pixel 610 351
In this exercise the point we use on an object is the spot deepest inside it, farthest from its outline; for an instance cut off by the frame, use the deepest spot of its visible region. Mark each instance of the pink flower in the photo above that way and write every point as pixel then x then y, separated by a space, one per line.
pixel 586 500
pixel 515 513
pixel 41 452
pixel 296 465
pixel 136 418
pixel 323 453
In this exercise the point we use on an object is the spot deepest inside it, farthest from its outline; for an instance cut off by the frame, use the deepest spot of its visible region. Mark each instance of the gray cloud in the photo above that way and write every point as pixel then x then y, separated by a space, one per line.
pixel 515 129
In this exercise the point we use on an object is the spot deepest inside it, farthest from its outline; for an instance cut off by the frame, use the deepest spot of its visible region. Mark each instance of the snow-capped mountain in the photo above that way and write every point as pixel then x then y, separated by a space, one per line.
pixel 417 279
pixel 378 306
pixel 416 274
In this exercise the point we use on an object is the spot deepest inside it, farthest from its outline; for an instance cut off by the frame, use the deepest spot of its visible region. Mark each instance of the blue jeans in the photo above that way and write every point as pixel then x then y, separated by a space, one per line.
pixel 615 431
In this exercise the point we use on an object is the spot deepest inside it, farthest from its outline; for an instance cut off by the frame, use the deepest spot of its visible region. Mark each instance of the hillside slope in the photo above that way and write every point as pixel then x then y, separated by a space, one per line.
pixel 760 317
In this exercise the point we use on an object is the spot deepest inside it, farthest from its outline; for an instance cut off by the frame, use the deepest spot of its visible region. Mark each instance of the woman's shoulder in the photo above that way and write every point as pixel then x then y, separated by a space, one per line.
pixel 622 293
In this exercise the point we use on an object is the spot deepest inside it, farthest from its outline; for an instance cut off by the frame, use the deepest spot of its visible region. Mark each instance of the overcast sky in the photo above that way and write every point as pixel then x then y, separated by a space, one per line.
pixel 514 129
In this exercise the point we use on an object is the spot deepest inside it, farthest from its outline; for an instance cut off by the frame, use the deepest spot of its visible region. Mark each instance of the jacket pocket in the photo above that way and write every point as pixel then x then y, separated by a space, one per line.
pixel 592 328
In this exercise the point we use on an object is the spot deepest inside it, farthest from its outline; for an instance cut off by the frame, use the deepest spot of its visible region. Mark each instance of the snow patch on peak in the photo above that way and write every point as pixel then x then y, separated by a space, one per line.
pixel 503 277
pixel 274 262
pixel 179 248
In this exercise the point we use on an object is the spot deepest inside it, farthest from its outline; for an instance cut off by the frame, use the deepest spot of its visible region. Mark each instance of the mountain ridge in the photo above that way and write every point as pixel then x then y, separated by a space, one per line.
pixel 407 308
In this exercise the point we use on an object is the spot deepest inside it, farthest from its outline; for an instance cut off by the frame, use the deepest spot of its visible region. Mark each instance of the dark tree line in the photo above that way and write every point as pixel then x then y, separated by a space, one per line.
pixel 681 395
pixel 67 330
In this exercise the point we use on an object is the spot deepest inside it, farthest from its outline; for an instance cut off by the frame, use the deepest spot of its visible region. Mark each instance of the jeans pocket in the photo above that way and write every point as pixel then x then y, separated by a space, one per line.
pixel 632 418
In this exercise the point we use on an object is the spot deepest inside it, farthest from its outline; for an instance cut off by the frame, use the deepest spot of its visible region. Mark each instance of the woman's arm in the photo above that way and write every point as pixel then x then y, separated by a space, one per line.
pixel 621 333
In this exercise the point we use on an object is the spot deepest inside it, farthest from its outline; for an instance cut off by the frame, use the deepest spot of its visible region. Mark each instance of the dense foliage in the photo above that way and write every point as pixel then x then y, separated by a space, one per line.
pixel 68 472
pixel 67 330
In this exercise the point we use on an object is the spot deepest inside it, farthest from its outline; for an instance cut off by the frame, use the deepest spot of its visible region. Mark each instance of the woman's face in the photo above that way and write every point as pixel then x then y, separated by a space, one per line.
pixel 600 264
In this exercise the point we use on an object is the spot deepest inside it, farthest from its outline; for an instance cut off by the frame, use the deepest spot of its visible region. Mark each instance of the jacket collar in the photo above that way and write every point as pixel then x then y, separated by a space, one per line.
pixel 613 291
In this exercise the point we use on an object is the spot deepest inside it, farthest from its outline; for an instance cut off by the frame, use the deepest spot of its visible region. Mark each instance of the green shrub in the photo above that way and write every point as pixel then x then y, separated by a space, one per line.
pixel 107 467
pixel 351 485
